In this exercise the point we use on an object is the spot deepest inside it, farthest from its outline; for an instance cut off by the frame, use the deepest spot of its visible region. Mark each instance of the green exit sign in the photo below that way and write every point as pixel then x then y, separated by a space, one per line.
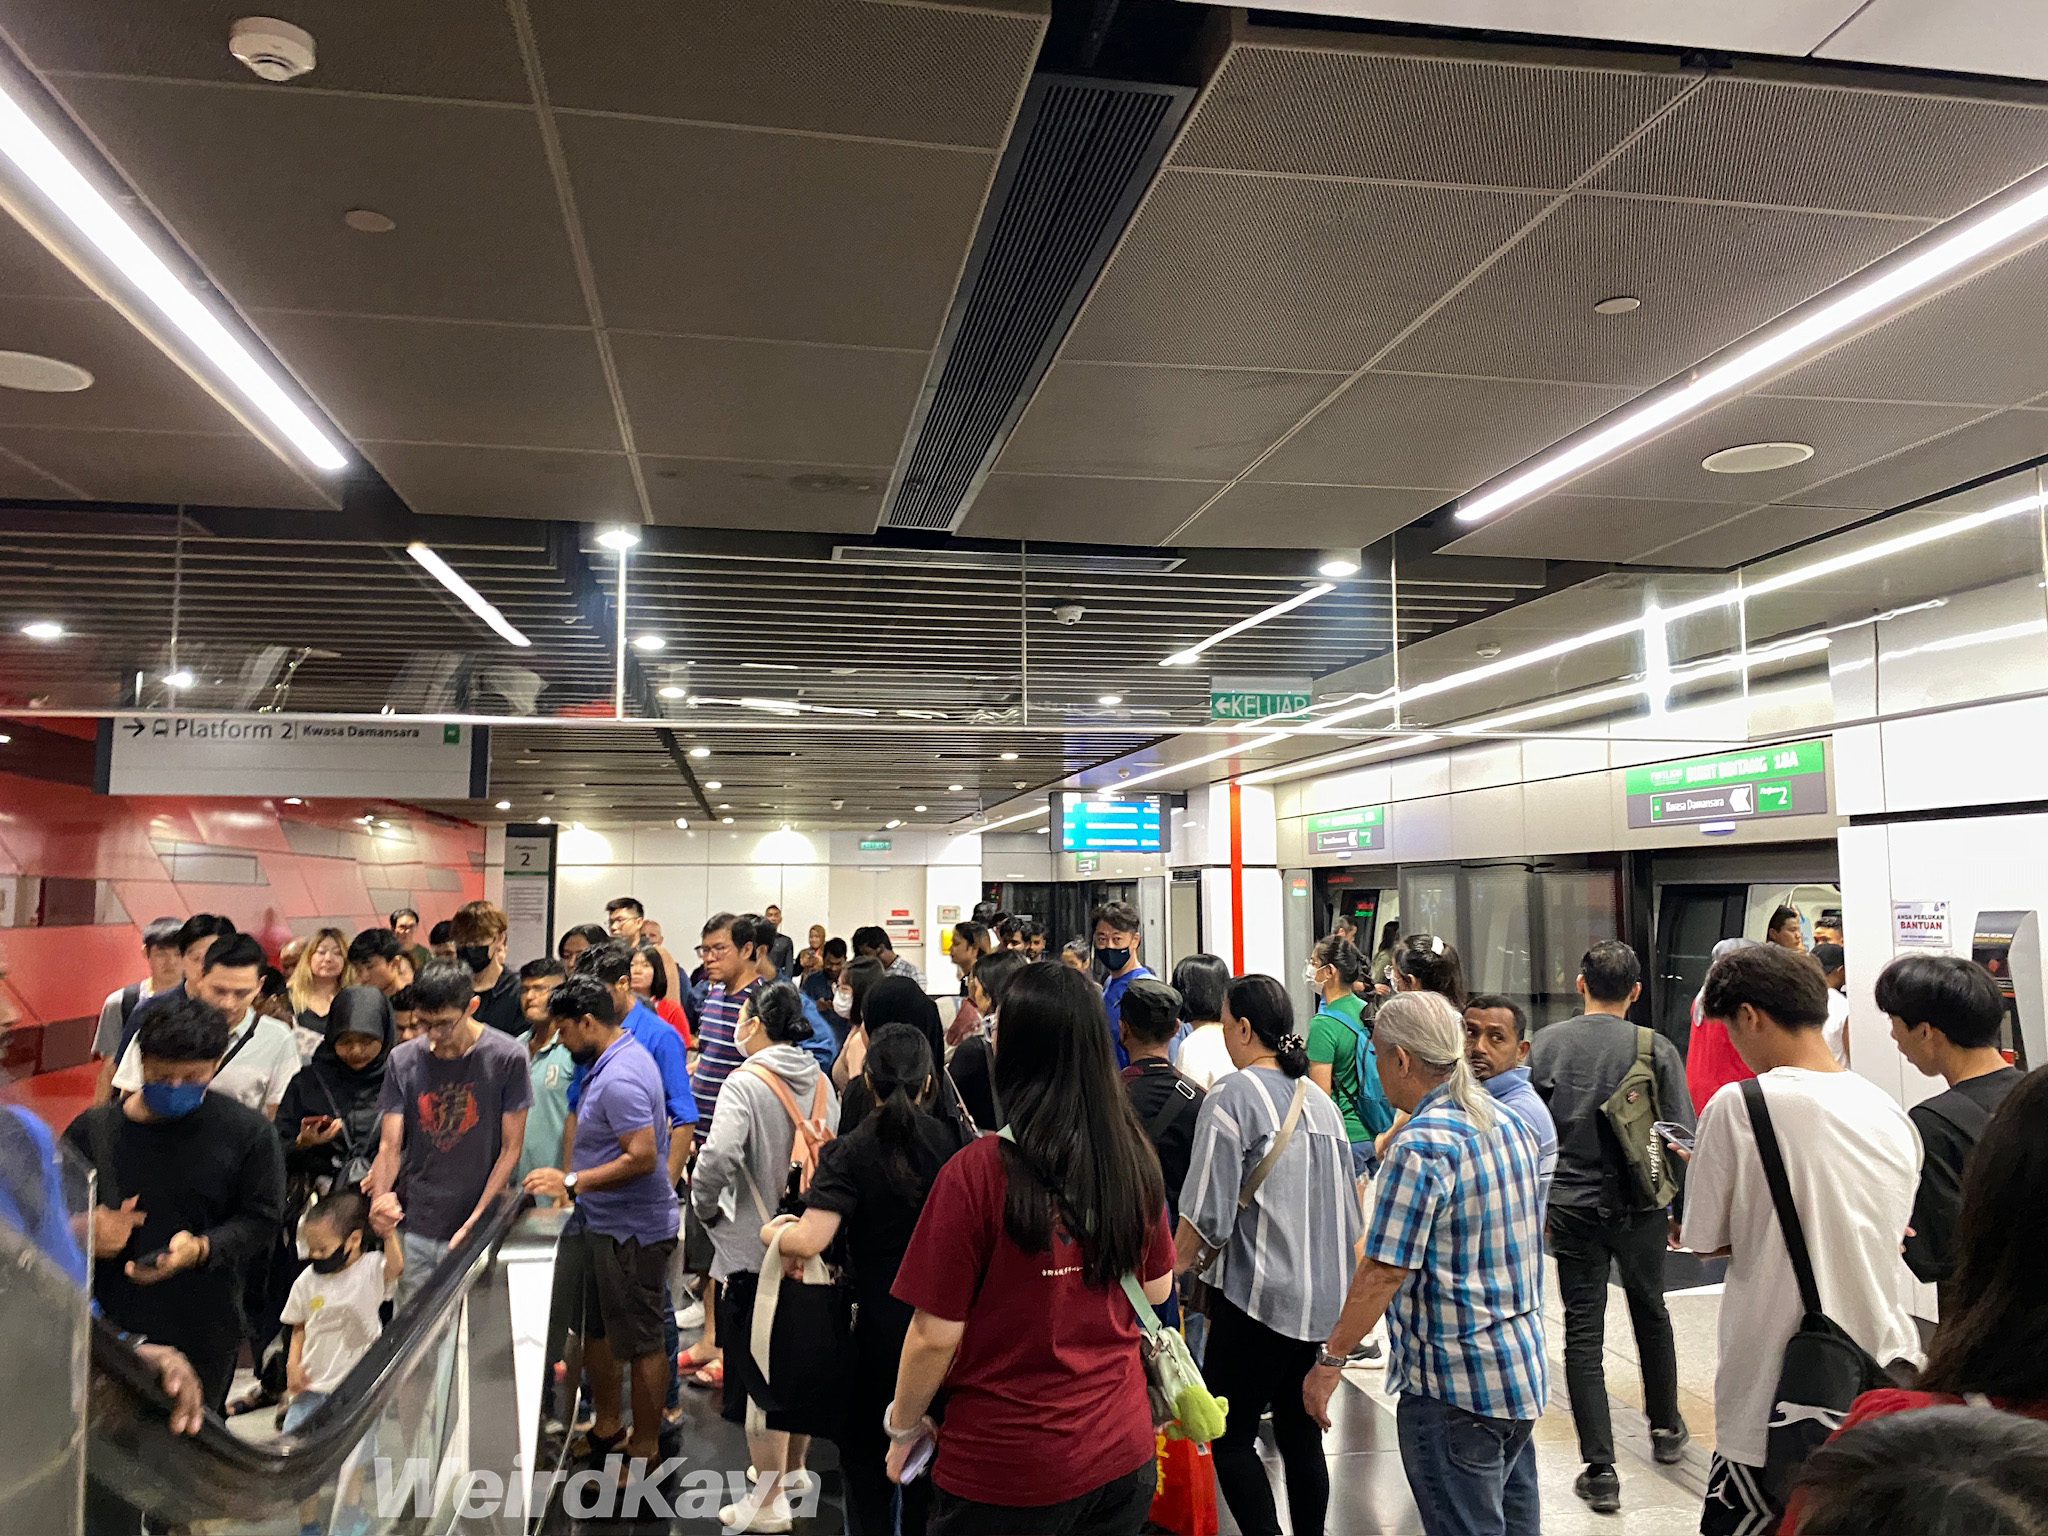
pixel 874 845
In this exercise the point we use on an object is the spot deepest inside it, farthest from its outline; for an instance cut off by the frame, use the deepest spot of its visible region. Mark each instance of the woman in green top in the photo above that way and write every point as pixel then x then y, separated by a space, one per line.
pixel 1333 1035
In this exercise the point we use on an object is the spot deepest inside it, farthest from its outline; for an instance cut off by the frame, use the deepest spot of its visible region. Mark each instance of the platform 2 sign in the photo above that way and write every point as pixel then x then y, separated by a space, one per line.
pixel 387 758
pixel 1759 782
pixel 1346 831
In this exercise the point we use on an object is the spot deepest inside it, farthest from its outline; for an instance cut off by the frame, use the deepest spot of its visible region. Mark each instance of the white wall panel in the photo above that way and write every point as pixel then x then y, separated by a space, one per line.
pixel 1866 879
pixel 1568 815
pixel 1487 823
pixel 1419 830
pixel 1983 755
pixel 807 899
pixel 1487 765
pixel 1429 774
pixel 1553 757
pixel 1342 791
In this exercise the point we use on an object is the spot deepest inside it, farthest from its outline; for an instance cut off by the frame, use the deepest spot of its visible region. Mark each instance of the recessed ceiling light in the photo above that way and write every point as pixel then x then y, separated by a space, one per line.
pixel 43 629
pixel 892 824
pixel 1620 304
pixel 1110 698
pixel 683 822
pixel 671 692
pixel 369 221
pixel 1339 563
pixel 919 809
pixel 1009 757
pixel 714 784
pixel 621 539
pixel 42 375
pixel 954 789
pixel 527 762
pixel 504 805
pixel 648 642
pixel 723 806
pixel 182 678
pixel 293 800
pixel 546 821
pixel 726 819
pixel 1755 458
pixel 700 752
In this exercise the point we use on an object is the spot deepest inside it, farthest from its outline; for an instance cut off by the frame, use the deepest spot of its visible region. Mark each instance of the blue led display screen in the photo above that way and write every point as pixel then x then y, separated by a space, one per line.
pixel 1127 824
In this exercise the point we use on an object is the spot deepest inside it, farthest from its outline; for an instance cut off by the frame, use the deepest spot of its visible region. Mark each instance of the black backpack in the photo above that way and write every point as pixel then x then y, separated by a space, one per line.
pixel 1824 1369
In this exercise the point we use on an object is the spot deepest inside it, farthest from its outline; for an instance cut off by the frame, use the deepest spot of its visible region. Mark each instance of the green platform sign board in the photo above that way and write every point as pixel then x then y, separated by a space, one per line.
pixel 1358 830
pixel 874 845
pixel 1789 779
pixel 1255 698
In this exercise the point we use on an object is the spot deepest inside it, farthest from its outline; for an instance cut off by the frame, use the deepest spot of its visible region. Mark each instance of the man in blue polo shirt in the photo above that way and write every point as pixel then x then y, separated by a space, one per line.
pixel 1114 930
pixel 623 1230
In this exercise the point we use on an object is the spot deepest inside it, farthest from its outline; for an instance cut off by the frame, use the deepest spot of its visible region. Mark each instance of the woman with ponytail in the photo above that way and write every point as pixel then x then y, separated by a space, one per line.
pixel 1453 1258
pixel 1281 1259
pixel 867 1194
pixel 1016 1274
pixel 1425 963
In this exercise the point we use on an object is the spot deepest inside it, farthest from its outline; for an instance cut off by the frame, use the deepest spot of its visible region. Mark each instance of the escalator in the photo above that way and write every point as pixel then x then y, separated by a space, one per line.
pixel 442 1409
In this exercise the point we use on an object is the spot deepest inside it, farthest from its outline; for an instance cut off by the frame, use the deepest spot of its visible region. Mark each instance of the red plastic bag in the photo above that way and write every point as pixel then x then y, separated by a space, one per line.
pixel 1185 1503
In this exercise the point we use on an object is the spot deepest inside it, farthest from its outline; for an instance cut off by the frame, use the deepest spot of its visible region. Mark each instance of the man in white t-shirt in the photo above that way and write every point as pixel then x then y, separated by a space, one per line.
pixel 166 962
pixel 1852 1158
pixel 262 1057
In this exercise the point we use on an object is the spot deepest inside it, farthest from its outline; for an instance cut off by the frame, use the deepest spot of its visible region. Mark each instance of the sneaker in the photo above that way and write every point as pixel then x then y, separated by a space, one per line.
pixel 1368 1353
pixel 691 1316
pixel 1668 1445
pixel 1600 1487
pixel 797 1482
pixel 751 1515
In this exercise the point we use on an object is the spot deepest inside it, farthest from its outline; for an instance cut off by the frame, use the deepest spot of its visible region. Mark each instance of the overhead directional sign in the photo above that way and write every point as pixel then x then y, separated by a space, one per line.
pixel 390 758
pixel 1345 831
pixel 1786 780
pixel 1255 698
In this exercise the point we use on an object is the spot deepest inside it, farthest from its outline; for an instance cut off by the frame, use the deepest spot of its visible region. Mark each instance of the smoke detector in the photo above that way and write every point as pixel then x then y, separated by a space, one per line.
pixel 1069 614
pixel 274 50
pixel 1487 651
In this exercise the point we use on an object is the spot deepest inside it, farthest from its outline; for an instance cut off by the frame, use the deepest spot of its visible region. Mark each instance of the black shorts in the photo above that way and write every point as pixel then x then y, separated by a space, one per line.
pixel 622 1300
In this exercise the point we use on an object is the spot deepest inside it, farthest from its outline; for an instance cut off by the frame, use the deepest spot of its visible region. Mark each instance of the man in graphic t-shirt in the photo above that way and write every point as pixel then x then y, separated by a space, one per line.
pixel 453 1112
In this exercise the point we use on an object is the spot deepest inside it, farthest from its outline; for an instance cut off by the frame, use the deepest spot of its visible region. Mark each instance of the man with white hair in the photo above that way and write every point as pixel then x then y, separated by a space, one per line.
pixel 1454 1260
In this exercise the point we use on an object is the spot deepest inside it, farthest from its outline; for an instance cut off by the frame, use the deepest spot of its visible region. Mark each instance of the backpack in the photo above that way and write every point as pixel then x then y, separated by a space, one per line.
pixel 1632 1112
pixel 810 1135
pixel 1372 1108
pixel 131 999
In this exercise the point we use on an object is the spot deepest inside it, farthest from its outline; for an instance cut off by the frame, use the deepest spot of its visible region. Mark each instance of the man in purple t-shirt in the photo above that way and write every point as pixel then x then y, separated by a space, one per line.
pixel 615 1249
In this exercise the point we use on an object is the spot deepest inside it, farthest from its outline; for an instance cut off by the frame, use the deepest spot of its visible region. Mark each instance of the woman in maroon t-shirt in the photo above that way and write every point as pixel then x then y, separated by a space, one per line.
pixel 1015 1272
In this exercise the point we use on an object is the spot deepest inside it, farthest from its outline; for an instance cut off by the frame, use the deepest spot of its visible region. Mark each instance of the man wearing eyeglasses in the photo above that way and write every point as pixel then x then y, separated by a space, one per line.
pixel 732 970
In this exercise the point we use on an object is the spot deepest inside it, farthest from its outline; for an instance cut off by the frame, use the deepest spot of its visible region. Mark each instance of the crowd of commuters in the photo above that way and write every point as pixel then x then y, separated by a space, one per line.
pixel 286 1154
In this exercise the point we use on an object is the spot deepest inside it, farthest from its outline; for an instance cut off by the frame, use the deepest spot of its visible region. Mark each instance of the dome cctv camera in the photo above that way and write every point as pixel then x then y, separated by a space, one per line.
pixel 274 50
pixel 1069 613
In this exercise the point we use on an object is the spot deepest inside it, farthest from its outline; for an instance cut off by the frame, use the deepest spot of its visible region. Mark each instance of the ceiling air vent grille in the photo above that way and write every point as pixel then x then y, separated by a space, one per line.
pixel 1082 154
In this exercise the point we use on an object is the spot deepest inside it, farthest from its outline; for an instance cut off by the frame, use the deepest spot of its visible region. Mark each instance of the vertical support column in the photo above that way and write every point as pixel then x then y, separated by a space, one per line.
pixel 1241 896
pixel 1236 880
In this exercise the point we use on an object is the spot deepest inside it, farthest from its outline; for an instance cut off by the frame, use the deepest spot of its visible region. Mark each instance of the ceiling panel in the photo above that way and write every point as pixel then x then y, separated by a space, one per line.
pixel 459 48
pixel 448 382
pixel 479 233
pixel 1085 510
pixel 1706 275
pixel 721 231
pixel 1189 422
pixel 806 498
pixel 1418 429
pixel 1255 516
pixel 1482 121
pixel 846 67
pixel 2010 438
pixel 134 385
pixel 1979 37
pixel 1748 26
pixel 1575 527
pixel 720 398
pixel 1864 150
pixel 20 478
pixel 1842 433
pixel 1260 271
pixel 509 482
pixel 1751 535
pixel 1986 342
pixel 231 469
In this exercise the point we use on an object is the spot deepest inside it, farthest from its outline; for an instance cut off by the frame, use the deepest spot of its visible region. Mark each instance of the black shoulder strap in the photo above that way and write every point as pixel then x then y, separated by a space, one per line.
pixel 109 1191
pixel 236 1049
pixel 1781 1193
pixel 1967 1116
pixel 1180 1094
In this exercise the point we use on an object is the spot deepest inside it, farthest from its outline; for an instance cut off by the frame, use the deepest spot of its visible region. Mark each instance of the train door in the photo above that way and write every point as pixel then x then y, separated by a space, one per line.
pixel 1691 920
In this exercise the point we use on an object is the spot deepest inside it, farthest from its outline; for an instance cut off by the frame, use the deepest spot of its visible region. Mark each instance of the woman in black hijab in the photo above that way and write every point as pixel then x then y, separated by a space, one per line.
pixel 899 1000
pixel 328 1116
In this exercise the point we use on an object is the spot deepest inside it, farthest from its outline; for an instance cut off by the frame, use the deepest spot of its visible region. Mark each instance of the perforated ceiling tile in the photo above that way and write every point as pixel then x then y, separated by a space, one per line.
pixel 231 469
pixel 133 384
pixel 434 381
pixel 18 477
pixel 1750 536
pixel 1812 146
pixel 1094 418
pixel 1253 516
pixel 456 48
pixel 442 481
pixel 27 269
pixel 929 73
pixel 1082 510
pixel 479 231
pixel 1705 275
pixel 1352 111
pixel 1999 442
pixel 705 398
pixel 794 498
pixel 1569 527
pixel 1414 429
pixel 1843 435
pixel 719 231
pixel 1986 341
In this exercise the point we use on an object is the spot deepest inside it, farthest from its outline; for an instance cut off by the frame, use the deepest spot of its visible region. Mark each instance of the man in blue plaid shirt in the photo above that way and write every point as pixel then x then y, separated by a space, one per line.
pixel 1454 1258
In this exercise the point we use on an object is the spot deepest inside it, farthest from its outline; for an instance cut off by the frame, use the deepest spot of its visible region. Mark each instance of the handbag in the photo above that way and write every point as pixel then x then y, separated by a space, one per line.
pixel 801 1344
pixel 1182 1404
pixel 1824 1369
pixel 1185 1501
pixel 1206 1255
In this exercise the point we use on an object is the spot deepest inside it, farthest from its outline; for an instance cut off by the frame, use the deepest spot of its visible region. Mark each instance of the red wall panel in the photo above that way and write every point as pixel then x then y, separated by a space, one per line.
pixel 66 973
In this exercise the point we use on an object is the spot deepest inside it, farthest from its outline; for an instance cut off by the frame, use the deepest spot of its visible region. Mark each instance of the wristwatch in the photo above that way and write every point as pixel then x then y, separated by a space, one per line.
pixel 1329 1362
pixel 569 1184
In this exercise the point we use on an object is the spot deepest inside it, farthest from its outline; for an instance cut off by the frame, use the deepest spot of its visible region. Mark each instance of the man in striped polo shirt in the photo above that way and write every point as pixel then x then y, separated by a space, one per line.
pixel 732 968
pixel 1454 1258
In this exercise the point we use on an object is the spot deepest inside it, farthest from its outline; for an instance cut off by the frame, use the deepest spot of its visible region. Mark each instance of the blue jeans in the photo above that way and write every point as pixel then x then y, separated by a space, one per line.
pixel 1362 1160
pixel 1471 1475
pixel 301 1409
pixel 423 1256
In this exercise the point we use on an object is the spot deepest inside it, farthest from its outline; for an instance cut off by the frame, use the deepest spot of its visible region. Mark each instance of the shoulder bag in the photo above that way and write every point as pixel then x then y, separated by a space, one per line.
pixel 1206 1255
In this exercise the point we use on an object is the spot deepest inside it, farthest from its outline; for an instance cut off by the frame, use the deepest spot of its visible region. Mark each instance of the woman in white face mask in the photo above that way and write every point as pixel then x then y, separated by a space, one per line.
pixel 855 979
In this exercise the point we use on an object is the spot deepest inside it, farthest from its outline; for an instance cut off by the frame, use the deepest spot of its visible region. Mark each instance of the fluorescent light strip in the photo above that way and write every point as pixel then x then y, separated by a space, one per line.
pixel 472 599
pixel 1972 240
pixel 39 159
pixel 1186 657
pixel 1011 821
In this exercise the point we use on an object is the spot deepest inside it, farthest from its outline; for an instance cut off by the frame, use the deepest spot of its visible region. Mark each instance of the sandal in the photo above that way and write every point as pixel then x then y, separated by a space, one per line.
pixel 689 1361
pixel 711 1377
pixel 597 1447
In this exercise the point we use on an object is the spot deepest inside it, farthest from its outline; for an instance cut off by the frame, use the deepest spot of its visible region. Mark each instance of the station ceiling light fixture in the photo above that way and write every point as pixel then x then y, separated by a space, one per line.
pixel 649 643
pixel 202 342
pixel 671 691
pixel 467 595
pixel 504 805
pixel 700 753
pixel 683 823
pixel 713 784
pixel 892 824
pixel 41 375
pixel 954 789
pixel 43 629
pixel 2001 227
pixel 295 800
pixel 182 678
pixel 1009 757
pixel 620 539
pixel 918 809
pixel 725 821
pixel 1756 458
pixel 545 820
pixel 1187 657
pixel 1339 563
pixel 1109 700
pixel 1617 304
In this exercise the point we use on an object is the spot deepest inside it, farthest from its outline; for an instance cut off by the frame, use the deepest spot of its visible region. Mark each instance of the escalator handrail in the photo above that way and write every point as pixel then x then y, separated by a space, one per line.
pixel 215 1474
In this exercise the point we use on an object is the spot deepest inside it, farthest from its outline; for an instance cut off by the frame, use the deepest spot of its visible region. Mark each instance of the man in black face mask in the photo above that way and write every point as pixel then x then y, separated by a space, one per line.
pixel 480 945
pixel 1115 932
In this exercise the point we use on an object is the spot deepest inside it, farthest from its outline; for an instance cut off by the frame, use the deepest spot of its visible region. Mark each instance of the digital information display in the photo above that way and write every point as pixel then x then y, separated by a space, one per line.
pixel 1129 824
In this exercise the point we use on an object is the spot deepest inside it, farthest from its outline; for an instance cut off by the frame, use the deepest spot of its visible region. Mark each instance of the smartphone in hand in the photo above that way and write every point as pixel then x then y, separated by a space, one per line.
pixel 1676 1134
